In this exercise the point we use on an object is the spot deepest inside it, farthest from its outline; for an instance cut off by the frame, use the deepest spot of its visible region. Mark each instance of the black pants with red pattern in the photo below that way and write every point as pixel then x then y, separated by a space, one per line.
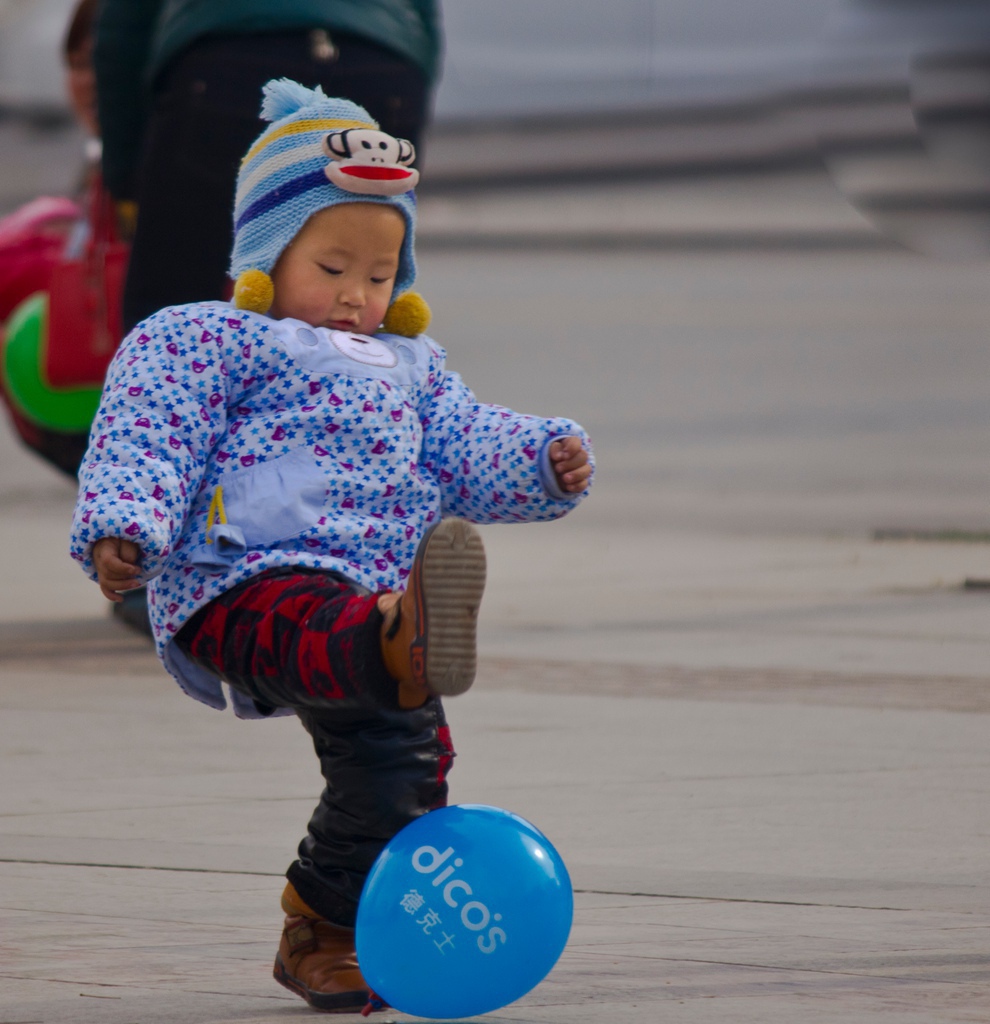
pixel 309 640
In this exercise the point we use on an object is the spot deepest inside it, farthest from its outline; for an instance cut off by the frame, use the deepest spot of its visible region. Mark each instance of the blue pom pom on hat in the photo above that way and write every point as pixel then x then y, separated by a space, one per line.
pixel 302 163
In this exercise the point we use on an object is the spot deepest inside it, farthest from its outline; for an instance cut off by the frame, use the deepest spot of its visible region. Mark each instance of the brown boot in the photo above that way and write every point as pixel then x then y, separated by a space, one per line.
pixel 429 631
pixel 316 960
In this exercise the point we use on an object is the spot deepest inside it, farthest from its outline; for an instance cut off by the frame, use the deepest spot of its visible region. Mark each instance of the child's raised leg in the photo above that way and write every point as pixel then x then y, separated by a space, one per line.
pixel 304 638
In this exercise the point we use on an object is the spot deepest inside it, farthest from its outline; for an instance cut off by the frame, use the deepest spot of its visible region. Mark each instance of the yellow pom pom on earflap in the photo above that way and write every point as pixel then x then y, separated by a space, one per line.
pixel 409 316
pixel 254 291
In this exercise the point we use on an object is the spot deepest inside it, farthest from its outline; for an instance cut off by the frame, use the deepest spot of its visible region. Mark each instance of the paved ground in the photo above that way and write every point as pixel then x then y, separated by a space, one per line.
pixel 756 733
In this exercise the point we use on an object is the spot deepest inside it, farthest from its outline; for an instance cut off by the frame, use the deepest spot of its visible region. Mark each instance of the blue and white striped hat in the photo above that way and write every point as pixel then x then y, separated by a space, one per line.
pixel 317 152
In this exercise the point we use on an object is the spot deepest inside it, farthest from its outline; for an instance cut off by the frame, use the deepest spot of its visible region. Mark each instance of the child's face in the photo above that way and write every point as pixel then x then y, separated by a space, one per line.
pixel 338 272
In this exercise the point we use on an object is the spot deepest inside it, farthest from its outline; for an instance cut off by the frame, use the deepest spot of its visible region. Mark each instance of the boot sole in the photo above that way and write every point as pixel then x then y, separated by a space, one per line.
pixel 448 590
pixel 336 1002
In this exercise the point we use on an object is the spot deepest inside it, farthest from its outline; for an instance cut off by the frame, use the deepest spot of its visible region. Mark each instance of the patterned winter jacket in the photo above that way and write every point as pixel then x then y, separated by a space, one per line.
pixel 228 443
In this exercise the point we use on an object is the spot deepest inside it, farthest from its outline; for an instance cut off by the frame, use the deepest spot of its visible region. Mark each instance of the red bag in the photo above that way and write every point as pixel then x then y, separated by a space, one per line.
pixel 31 242
pixel 85 323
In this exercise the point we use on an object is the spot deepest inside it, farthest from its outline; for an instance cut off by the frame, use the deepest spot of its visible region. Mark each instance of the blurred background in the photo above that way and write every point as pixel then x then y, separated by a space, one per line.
pixel 891 96
pixel 523 57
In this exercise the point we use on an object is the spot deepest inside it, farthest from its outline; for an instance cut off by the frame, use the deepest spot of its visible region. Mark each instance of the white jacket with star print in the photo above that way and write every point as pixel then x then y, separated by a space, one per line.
pixel 227 443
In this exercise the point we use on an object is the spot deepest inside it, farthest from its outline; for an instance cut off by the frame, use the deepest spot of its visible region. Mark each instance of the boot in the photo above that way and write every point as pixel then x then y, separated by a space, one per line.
pixel 317 961
pixel 429 630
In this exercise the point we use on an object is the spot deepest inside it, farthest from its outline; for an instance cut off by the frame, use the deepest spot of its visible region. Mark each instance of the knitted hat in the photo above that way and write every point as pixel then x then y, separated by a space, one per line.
pixel 317 152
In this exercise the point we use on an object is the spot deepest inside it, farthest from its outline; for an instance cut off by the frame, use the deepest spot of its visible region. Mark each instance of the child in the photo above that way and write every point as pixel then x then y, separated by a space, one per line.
pixel 278 478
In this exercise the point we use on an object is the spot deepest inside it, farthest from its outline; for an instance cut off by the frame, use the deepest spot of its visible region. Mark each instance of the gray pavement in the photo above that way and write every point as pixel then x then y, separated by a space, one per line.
pixel 756 733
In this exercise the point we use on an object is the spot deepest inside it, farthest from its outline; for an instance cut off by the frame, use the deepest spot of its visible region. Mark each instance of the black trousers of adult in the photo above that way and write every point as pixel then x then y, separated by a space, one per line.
pixel 204 118
pixel 309 640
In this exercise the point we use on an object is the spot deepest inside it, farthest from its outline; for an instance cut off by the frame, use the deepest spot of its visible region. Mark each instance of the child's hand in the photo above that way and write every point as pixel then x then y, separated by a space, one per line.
pixel 570 464
pixel 116 562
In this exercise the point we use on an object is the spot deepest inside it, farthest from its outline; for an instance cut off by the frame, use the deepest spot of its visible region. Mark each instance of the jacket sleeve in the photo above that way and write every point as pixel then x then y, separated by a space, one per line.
pixel 492 464
pixel 163 408
pixel 124 30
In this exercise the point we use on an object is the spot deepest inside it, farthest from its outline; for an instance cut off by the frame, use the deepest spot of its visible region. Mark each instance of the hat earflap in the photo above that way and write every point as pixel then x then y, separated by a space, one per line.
pixel 254 291
pixel 408 316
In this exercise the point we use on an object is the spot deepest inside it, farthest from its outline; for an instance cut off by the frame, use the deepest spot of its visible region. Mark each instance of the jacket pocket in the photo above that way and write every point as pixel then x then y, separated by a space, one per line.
pixel 276 499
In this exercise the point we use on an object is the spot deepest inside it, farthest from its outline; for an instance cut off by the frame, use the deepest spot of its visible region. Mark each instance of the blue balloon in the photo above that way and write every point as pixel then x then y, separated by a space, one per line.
pixel 465 910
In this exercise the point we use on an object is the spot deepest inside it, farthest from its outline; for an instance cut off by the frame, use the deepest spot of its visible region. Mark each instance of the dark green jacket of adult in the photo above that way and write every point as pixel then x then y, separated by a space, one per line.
pixel 135 40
